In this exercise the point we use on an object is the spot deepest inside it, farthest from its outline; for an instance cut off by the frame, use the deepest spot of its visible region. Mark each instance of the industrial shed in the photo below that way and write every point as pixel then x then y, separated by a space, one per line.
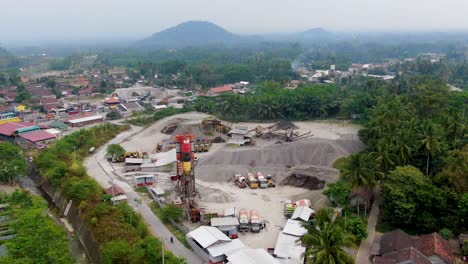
pixel 288 250
pixel 212 244
pixel 294 228
pixel 83 120
pixel 302 213
pixel 252 256
pixel 227 225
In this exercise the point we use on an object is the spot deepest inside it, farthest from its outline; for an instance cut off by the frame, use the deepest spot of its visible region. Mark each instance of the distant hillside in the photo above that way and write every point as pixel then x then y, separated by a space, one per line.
pixel 192 33
pixel 315 34
pixel 7 59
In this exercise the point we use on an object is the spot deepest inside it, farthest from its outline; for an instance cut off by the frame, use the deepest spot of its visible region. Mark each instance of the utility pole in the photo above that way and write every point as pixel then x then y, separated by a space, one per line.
pixel 162 247
pixel 74 152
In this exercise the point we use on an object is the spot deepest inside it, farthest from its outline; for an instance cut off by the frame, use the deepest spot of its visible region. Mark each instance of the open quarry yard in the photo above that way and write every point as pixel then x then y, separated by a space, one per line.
pixel 301 169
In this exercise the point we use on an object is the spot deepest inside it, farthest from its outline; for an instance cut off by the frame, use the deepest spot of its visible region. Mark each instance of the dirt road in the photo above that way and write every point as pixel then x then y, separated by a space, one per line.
pixel 103 173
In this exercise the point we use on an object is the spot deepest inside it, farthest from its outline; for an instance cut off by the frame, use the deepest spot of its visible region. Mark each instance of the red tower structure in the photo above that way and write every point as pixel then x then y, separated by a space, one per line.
pixel 185 151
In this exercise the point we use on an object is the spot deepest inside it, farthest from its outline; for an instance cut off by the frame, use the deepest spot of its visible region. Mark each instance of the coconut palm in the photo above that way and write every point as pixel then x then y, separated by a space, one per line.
pixel 384 156
pixel 325 240
pixel 361 170
pixel 430 142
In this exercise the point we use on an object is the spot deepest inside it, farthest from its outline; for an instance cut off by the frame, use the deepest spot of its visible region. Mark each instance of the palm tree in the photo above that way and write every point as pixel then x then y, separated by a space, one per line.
pixel 430 142
pixel 325 240
pixel 360 170
pixel 384 156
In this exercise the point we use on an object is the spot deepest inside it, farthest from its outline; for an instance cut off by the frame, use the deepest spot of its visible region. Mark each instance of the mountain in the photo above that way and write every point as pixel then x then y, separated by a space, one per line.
pixel 191 33
pixel 315 34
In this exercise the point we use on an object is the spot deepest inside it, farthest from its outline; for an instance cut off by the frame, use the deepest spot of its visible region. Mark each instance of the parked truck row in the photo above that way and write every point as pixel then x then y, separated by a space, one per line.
pixel 250 222
pixel 254 181
pixel 202 145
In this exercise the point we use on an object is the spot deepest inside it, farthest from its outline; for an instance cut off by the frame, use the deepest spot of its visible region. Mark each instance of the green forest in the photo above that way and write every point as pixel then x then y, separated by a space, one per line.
pixel 38 239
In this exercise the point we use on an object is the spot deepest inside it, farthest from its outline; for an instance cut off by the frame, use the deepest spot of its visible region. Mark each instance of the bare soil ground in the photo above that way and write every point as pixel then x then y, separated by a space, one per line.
pixel 301 169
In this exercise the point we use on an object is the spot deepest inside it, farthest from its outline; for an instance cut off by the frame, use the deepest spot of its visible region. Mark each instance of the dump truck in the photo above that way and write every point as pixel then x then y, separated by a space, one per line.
pixel 244 220
pixel 271 183
pixel 206 146
pixel 289 207
pixel 135 154
pixel 252 181
pixel 198 147
pixel 255 223
pixel 262 180
pixel 241 181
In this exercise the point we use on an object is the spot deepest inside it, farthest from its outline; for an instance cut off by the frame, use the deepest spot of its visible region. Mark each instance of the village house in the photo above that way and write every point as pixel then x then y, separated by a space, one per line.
pixel 398 247
pixel 361 197
pixel 7 112
pixel 216 91
pixel 86 91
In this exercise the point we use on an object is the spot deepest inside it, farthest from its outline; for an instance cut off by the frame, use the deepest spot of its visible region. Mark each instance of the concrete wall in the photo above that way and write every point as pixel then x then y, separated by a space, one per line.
pixel 90 244
pixel 200 252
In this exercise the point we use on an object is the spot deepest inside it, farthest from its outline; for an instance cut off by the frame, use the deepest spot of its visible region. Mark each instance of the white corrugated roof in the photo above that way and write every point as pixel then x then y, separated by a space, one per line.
pixel 302 213
pixel 158 191
pixel 289 249
pixel 53 131
pixel 208 235
pixel 236 142
pixel 295 228
pixel 85 119
pixel 252 256
pixel 230 211
pixel 226 248
pixel 134 160
pixel 224 221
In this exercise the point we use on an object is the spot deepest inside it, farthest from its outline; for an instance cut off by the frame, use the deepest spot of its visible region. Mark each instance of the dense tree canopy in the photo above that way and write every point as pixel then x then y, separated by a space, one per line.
pixel 12 163
pixel 411 200
pixel 38 238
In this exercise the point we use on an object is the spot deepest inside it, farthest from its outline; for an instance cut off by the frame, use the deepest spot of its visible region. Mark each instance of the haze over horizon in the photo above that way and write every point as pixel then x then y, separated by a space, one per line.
pixel 58 20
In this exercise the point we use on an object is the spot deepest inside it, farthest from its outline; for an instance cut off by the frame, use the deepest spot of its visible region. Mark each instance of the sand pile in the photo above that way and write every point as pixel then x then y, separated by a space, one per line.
pixel 211 195
pixel 277 159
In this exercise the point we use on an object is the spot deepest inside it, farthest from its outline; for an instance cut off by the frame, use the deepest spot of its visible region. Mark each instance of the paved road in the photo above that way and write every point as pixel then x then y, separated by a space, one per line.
pixel 366 245
pixel 103 173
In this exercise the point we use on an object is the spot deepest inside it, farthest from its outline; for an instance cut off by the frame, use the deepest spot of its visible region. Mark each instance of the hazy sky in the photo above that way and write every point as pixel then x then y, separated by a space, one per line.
pixel 73 19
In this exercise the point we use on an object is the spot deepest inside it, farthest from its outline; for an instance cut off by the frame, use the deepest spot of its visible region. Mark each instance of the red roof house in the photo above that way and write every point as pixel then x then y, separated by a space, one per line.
pixel 112 100
pixel 48 101
pixel 8 129
pixel 434 246
pixel 398 247
pixel 407 255
pixel 37 136
pixel 227 88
